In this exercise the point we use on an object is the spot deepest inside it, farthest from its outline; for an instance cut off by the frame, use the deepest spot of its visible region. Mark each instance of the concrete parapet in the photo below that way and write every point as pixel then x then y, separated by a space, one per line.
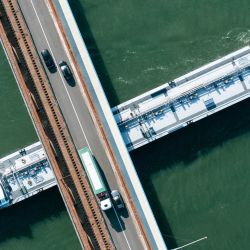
pixel 52 131
pixel 141 211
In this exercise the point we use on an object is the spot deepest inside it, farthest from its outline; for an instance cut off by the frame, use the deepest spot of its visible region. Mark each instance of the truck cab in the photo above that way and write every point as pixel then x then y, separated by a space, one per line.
pixel 104 200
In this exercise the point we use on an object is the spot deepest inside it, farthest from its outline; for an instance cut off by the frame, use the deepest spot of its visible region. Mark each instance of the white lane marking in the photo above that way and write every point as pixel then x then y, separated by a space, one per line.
pixel 121 227
pixel 60 73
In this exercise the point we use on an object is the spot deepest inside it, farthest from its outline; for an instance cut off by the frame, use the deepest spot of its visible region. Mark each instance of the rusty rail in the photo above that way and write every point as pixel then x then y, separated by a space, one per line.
pixel 52 130
pixel 101 130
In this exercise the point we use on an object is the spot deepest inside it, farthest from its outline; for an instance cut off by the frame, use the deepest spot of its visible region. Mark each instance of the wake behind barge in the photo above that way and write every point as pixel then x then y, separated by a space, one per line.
pixel 24 174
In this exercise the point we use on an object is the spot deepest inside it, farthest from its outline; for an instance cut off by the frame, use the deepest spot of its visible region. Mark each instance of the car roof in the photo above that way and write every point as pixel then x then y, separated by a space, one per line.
pixel 45 52
pixel 66 69
pixel 115 192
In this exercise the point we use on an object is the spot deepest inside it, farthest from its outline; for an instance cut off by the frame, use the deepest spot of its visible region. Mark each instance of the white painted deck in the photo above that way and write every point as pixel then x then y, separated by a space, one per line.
pixel 25 175
pixel 193 96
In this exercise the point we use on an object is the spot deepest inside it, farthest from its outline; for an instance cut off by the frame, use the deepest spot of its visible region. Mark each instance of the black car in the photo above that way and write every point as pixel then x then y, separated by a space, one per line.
pixel 67 73
pixel 117 199
pixel 48 60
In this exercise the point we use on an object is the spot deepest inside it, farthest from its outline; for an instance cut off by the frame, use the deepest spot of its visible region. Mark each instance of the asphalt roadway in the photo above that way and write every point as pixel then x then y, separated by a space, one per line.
pixel 77 116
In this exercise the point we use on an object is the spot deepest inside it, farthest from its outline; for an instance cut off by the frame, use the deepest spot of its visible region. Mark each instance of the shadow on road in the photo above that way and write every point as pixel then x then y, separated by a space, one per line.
pixel 115 220
pixel 124 212
pixel 53 70
pixel 114 215
pixel 71 82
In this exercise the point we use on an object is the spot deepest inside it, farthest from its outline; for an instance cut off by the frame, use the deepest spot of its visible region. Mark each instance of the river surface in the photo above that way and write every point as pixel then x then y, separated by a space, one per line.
pixel 197 179
pixel 41 222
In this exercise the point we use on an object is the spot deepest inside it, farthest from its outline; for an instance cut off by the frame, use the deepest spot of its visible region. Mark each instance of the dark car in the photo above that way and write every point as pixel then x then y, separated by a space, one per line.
pixel 66 71
pixel 117 199
pixel 48 60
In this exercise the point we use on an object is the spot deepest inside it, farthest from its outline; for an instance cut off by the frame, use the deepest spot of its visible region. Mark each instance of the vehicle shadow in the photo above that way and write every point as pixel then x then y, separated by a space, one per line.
pixel 103 74
pixel 124 212
pixel 115 220
pixel 71 82
pixel 113 215
pixel 185 146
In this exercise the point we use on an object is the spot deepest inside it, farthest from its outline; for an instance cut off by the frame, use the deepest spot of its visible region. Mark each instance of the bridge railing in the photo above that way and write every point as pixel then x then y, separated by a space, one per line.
pixel 169 101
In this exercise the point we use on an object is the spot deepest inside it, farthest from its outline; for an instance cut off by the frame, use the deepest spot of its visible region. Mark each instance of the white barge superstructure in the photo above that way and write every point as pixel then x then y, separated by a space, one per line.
pixel 185 100
pixel 24 174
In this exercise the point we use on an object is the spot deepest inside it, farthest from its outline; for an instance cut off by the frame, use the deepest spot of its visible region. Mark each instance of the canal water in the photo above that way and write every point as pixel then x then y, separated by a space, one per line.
pixel 40 222
pixel 196 179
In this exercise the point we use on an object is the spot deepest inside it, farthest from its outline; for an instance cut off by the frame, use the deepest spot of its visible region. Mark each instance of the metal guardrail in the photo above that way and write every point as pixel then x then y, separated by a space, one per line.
pixel 183 95
pixel 76 180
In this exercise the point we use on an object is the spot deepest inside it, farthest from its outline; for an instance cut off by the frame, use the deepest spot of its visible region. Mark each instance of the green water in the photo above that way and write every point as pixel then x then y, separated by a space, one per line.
pixel 138 45
pixel 40 222
pixel 197 179
pixel 16 129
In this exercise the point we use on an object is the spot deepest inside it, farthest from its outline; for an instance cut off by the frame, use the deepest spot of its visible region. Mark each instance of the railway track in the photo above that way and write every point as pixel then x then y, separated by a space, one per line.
pixel 71 172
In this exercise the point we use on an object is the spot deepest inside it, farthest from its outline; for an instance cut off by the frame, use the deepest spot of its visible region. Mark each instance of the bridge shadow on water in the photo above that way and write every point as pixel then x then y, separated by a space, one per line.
pixel 17 221
pixel 84 27
pixel 185 146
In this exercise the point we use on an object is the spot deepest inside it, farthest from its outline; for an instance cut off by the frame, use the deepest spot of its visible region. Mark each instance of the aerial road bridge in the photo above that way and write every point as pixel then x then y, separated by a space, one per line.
pixel 70 112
